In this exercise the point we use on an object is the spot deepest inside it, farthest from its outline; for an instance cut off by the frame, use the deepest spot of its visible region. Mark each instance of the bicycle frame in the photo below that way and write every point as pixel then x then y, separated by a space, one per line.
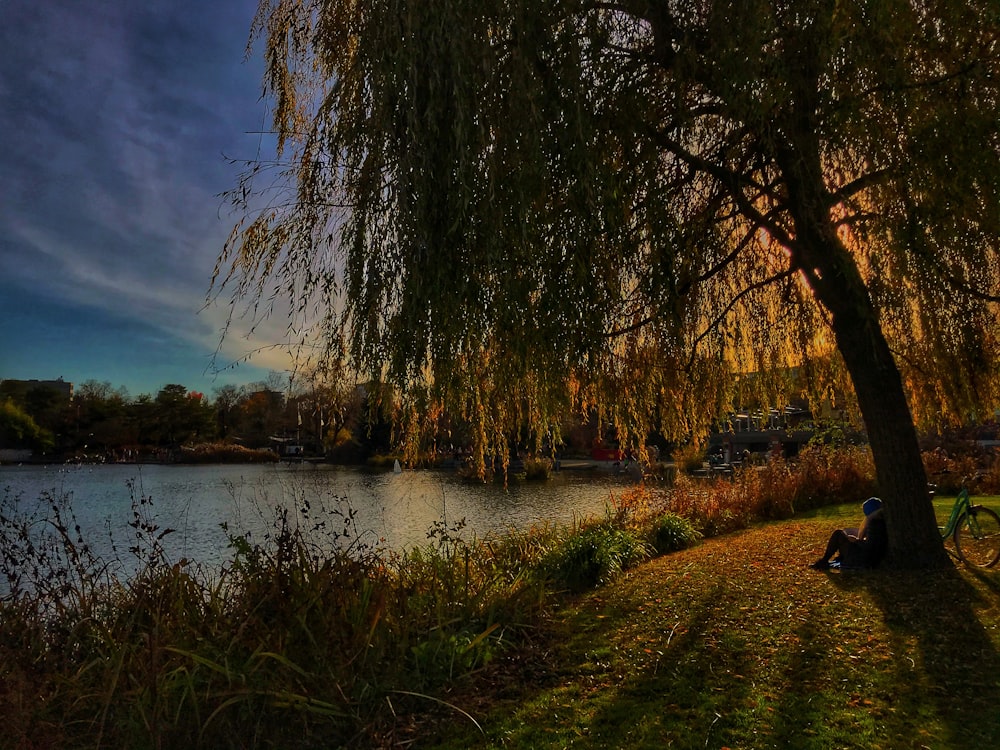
pixel 960 508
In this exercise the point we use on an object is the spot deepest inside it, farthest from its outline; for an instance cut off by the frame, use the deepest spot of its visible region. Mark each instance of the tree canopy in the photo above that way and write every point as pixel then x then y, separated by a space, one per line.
pixel 523 207
pixel 19 430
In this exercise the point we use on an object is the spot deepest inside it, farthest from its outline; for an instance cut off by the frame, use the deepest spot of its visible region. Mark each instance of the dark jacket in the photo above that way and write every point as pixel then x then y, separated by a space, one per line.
pixel 868 550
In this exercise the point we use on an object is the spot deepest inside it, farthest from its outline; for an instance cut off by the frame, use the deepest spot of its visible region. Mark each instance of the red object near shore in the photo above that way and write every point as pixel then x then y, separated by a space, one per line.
pixel 607 454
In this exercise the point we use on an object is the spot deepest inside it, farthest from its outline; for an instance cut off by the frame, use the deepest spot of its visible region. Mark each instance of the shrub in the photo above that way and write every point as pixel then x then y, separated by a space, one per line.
pixel 537 468
pixel 594 555
pixel 824 475
pixel 689 458
pixel 820 475
pixel 948 470
pixel 672 532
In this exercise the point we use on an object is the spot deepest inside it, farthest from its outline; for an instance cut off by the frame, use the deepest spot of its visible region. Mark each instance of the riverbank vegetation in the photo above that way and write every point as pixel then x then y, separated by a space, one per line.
pixel 94 421
pixel 224 453
pixel 313 636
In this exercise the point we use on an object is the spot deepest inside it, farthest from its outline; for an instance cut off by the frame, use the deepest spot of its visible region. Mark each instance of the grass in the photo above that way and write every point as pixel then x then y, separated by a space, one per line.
pixel 737 643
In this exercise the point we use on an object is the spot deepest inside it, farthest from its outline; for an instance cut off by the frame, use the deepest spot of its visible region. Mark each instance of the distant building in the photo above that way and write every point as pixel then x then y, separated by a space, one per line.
pixel 775 432
pixel 18 389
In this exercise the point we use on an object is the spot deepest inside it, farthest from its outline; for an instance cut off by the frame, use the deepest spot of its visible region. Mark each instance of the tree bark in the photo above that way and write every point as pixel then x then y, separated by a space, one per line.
pixel 914 539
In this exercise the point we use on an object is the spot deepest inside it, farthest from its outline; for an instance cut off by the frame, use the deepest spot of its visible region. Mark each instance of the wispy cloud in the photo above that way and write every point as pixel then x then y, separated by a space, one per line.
pixel 114 118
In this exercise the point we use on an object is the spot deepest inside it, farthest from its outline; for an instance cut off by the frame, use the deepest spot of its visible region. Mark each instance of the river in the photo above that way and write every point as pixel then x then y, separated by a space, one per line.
pixel 374 509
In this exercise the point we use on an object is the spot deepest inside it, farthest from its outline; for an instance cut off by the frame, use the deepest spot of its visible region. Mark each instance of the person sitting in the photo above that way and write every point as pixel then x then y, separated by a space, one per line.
pixel 863 547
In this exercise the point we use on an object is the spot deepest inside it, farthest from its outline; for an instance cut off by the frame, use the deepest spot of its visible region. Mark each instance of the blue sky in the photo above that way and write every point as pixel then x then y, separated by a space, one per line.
pixel 116 118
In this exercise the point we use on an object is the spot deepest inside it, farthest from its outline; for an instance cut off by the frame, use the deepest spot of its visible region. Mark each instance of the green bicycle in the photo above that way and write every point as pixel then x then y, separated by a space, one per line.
pixel 975 529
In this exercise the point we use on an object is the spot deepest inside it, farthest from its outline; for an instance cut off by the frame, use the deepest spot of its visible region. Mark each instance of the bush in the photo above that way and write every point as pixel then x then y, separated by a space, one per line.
pixel 820 475
pixel 689 458
pixel 948 470
pixel 672 532
pixel 593 556
pixel 537 468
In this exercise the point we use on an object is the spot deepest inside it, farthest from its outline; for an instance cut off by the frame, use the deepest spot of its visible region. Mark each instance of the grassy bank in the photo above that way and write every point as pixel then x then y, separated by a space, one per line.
pixel 737 643
pixel 308 638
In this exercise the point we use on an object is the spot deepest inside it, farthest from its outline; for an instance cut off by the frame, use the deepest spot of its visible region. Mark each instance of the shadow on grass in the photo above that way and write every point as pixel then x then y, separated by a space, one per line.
pixel 949 660
pixel 737 643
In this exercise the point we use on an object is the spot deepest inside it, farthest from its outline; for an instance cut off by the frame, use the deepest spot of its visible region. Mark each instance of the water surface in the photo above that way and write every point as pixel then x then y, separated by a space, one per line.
pixel 389 510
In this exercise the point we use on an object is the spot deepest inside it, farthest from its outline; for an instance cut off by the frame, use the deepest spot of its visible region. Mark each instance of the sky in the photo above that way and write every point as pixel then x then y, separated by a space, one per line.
pixel 118 119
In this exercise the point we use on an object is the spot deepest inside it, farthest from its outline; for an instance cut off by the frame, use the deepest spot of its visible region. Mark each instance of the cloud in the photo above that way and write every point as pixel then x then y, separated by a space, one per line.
pixel 115 117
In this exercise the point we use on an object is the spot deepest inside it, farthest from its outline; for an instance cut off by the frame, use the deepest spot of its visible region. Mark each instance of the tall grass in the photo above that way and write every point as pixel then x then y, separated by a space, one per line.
pixel 301 640
pixel 594 555
pixel 818 476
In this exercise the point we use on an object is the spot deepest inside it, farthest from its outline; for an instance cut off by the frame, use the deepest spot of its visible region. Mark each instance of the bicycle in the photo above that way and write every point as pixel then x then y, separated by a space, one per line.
pixel 975 530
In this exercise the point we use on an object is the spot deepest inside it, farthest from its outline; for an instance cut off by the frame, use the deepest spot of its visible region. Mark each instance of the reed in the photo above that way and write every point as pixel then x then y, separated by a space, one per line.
pixel 818 476
pixel 305 638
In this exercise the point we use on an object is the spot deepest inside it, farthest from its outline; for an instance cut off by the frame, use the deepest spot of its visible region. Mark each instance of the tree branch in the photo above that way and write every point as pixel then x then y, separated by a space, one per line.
pixel 732 303
pixel 733 182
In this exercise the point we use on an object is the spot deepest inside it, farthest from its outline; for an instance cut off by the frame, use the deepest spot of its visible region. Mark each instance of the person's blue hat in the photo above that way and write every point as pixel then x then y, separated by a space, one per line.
pixel 871 505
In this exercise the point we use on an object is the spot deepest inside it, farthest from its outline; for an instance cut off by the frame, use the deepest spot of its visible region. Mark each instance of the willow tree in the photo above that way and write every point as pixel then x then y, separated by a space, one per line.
pixel 516 207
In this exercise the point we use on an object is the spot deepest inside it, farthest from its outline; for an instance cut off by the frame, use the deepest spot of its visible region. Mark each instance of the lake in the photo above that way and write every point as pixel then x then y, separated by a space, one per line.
pixel 384 509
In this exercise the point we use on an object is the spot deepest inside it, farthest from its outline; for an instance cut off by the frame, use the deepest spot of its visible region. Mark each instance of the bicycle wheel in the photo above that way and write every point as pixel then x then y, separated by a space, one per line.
pixel 977 537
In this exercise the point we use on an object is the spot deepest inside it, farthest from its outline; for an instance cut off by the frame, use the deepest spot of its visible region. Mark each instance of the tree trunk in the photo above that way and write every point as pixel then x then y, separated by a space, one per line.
pixel 819 253
pixel 914 539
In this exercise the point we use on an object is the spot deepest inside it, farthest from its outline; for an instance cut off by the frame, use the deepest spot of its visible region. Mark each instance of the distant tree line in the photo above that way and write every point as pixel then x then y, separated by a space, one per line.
pixel 98 420
pixel 334 417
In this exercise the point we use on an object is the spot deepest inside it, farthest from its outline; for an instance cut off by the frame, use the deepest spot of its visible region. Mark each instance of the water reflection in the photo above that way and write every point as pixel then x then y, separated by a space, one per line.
pixel 390 510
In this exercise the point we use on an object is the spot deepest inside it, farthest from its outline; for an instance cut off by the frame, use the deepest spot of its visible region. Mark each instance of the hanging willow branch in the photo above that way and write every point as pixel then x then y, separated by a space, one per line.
pixel 519 208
